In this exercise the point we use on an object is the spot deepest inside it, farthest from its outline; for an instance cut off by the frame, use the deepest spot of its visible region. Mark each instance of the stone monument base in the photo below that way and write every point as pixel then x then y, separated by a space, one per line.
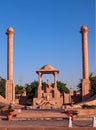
pixel 10 90
pixel 85 89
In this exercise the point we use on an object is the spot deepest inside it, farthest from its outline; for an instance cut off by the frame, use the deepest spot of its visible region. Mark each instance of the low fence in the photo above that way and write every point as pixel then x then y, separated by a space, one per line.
pixel 67 122
pixel 89 124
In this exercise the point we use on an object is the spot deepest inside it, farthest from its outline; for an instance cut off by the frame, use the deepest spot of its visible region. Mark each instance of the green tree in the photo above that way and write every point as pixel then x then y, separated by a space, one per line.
pixel 93 84
pixel 2 86
pixel 62 87
pixel 18 89
pixel 79 86
pixel 31 89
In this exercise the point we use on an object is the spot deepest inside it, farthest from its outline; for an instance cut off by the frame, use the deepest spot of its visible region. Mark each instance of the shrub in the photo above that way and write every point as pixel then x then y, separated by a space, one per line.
pixel 86 106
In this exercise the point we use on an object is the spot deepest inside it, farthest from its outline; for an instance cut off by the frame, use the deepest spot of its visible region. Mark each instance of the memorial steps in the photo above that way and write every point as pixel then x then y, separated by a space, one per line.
pixel 40 115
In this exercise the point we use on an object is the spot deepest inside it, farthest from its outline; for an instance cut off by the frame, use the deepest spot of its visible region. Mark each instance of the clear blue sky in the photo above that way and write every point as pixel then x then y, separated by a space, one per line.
pixel 47 32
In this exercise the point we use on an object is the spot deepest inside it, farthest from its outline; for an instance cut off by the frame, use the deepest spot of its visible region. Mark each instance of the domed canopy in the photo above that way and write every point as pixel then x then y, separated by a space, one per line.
pixel 47 69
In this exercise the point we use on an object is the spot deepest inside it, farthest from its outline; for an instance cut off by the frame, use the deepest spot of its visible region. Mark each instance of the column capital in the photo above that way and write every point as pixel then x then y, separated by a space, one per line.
pixel 10 30
pixel 84 29
pixel 55 73
pixel 39 73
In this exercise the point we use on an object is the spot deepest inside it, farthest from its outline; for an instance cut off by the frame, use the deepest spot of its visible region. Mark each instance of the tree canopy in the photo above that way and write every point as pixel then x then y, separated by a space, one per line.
pixel 93 84
pixel 61 87
pixel 31 89
pixel 18 89
pixel 2 86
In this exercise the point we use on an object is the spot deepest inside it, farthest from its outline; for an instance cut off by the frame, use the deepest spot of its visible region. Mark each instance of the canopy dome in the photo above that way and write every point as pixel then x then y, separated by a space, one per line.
pixel 47 69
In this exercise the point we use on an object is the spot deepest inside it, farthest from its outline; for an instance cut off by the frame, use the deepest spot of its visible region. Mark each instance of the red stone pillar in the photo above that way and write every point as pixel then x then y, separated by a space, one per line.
pixel 55 80
pixel 85 81
pixel 40 79
pixel 10 89
pixel 56 92
pixel 39 92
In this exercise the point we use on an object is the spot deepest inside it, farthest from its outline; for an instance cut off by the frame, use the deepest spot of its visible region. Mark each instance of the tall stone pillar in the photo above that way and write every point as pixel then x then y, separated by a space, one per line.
pixel 10 87
pixel 85 80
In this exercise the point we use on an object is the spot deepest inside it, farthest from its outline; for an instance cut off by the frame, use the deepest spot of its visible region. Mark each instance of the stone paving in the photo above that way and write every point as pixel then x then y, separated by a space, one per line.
pixel 58 119
pixel 43 123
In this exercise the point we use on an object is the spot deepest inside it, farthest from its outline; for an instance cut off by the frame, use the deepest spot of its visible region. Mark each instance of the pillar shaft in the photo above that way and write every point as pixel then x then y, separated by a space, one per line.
pixel 40 79
pixel 10 55
pixel 39 92
pixel 85 54
pixel 55 79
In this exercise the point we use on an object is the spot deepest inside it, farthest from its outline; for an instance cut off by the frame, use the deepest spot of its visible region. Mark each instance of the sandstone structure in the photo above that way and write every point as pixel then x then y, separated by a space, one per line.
pixel 85 80
pixel 46 96
pixel 10 89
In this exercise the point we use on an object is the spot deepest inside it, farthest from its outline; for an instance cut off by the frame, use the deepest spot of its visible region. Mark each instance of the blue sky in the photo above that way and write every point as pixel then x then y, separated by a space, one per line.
pixel 47 32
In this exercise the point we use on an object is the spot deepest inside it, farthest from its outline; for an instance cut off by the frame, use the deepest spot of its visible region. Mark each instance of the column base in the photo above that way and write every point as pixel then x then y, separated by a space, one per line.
pixel 85 89
pixel 10 91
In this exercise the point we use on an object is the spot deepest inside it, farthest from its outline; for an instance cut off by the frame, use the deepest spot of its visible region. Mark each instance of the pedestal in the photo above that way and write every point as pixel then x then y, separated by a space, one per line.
pixel 85 89
pixel 10 91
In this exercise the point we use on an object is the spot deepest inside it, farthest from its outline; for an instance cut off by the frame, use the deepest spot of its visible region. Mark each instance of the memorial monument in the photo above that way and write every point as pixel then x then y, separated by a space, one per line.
pixel 46 96
pixel 10 87
pixel 85 80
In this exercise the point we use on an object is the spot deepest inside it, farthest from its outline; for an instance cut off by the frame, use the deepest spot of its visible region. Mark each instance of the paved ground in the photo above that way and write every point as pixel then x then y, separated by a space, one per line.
pixel 30 123
pixel 28 114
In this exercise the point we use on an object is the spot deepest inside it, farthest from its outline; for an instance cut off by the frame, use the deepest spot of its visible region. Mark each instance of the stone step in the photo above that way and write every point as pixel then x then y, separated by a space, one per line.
pixel 50 118
pixel 39 118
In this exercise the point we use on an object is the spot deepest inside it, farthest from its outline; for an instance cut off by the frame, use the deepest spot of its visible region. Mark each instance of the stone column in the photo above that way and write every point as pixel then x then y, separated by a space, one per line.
pixel 40 79
pixel 85 81
pixel 39 92
pixel 56 92
pixel 55 80
pixel 10 89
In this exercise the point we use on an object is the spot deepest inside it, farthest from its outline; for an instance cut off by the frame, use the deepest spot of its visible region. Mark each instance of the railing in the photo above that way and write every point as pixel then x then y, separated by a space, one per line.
pixel 67 121
pixel 91 123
